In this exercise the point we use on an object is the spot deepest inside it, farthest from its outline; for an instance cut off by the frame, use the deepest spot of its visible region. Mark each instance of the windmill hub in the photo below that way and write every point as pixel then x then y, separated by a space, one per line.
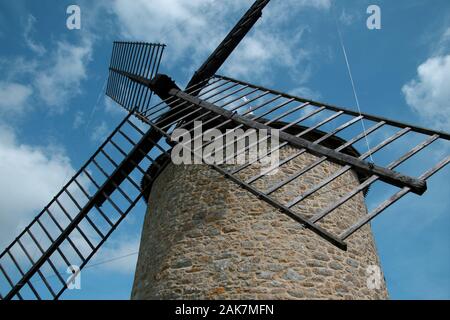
pixel 161 84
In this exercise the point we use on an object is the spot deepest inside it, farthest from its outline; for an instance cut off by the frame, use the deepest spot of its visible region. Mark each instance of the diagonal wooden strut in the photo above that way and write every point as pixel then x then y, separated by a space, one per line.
pixel 111 154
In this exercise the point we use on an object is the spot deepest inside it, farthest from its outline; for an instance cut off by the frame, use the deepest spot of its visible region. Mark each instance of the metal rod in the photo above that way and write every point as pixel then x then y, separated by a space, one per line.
pixel 113 53
pixel 128 177
pixel 120 84
pixel 171 103
pixel 133 61
pixel 295 176
pixel 117 63
pixel 87 217
pixel 238 169
pixel 83 264
pixel 133 143
pixel 36 219
pixel 203 115
pixel 233 110
pixel 231 41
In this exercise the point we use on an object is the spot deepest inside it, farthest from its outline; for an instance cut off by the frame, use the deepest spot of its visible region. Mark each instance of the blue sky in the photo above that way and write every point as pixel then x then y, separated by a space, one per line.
pixel 53 112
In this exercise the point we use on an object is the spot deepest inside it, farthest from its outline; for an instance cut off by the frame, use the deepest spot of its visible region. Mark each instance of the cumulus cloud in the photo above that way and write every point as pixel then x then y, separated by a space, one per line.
pixel 30 177
pixel 306 93
pixel 428 94
pixel 100 132
pixel 78 120
pixel 346 18
pixel 29 29
pixel 62 79
pixel 54 75
pixel 14 97
pixel 112 108
pixel 192 29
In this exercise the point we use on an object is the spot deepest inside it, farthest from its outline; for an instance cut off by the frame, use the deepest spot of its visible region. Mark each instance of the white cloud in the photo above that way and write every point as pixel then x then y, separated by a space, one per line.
pixel 30 177
pixel 62 79
pixel 443 45
pixel 55 77
pixel 307 93
pixel 346 18
pixel 429 94
pixel 17 67
pixel 34 46
pixel 14 97
pixel 78 120
pixel 100 132
pixel 192 29
pixel 112 108
pixel 266 50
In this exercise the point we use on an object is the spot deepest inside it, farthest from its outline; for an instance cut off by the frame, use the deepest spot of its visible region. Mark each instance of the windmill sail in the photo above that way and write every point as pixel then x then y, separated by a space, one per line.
pixel 221 105
pixel 81 217
pixel 231 41
pixel 141 59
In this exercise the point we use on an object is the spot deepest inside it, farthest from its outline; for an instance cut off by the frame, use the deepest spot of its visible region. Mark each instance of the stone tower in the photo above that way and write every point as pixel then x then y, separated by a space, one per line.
pixel 206 238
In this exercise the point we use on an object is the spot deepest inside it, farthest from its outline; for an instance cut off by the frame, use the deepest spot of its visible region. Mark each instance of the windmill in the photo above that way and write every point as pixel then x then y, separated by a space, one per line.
pixel 82 216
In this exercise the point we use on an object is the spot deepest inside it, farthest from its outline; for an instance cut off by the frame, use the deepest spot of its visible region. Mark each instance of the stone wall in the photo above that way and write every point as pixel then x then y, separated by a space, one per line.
pixel 206 238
